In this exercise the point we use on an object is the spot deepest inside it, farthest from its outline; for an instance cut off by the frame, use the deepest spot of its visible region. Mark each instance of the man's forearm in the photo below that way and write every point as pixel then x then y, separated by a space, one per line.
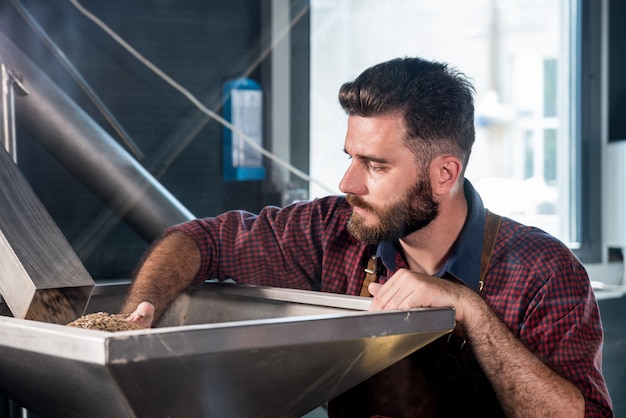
pixel 526 387
pixel 167 269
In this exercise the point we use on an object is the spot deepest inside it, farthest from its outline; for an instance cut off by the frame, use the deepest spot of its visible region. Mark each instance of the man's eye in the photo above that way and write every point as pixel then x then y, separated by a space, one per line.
pixel 375 167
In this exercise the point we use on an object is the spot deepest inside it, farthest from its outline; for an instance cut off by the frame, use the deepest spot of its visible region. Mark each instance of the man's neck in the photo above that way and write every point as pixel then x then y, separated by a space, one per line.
pixel 426 250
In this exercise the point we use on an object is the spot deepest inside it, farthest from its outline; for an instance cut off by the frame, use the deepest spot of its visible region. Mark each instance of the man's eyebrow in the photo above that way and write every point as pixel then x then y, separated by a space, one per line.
pixel 367 157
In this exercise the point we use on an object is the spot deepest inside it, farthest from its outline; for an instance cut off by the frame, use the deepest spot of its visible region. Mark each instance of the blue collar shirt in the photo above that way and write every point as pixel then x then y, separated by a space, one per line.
pixel 463 264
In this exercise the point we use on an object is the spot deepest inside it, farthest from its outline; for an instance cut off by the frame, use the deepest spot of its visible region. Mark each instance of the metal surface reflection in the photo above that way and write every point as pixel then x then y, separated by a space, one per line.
pixel 220 350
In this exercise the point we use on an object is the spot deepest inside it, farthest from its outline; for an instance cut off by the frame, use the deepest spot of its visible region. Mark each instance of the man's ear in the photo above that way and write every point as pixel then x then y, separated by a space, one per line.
pixel 444 173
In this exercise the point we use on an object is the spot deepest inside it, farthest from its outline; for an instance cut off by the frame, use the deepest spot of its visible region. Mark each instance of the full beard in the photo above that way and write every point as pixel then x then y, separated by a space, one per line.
pixel 413 212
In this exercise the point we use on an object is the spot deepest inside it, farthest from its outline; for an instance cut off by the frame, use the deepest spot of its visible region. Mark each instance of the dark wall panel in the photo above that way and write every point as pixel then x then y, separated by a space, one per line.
pixel 201 44
pixel 617 71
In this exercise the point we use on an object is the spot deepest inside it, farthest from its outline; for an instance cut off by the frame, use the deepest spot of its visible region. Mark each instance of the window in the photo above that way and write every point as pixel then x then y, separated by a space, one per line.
pixel 517 53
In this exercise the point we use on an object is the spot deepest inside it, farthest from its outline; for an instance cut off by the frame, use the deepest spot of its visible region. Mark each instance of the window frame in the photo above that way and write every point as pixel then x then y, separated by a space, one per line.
pixel 589 111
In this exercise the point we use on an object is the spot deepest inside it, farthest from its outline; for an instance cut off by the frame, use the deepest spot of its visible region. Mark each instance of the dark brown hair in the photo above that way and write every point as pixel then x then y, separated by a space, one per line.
pixel 436 101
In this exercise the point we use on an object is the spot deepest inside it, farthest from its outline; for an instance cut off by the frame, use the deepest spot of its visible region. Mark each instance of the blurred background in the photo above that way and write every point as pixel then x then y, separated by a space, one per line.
pixel 550 99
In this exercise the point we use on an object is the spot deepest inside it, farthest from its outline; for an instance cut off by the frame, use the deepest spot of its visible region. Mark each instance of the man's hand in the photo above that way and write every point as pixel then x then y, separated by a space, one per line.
pixel 143 315
pixel 526 387
pixel 168 268
pixel 407 290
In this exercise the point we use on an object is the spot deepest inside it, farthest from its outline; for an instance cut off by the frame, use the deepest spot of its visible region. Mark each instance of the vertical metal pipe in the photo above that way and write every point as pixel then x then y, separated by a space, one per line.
pixel 14 410
pixel 7 108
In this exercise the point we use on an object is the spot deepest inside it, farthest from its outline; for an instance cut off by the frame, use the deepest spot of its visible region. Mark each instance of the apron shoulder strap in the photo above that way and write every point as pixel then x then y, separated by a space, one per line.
pixel 492 225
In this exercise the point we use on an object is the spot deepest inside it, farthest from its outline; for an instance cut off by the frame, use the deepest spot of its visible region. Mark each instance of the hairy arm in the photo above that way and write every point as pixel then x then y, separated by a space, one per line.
pixel 168 268
pixel 525 386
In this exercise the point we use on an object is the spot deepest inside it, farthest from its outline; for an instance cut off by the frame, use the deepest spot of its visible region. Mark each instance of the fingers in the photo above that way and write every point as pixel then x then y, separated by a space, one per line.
pixel 395 293
pixel 379 301
pixel 374 287
pixel 143 315
pixel 409 290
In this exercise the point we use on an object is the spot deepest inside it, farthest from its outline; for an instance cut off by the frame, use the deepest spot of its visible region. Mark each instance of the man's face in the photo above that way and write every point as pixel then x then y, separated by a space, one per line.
pixel 390 194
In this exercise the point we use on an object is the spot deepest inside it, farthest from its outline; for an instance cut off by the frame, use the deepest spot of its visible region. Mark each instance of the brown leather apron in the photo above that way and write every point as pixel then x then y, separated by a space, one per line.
pixel 442 379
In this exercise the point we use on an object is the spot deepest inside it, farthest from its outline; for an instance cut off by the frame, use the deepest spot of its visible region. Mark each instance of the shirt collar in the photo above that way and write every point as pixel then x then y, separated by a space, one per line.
pixel 464 260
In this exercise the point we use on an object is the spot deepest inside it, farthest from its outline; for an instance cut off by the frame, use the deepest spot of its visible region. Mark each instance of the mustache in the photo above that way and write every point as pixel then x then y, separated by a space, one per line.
pixel 358 202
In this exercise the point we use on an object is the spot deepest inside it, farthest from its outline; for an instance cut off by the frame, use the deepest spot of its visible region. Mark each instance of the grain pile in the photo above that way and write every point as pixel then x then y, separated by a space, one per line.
pixel 103 321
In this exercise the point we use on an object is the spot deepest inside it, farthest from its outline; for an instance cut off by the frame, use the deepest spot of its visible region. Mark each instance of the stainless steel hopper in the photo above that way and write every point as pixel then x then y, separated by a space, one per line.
pixel 220 350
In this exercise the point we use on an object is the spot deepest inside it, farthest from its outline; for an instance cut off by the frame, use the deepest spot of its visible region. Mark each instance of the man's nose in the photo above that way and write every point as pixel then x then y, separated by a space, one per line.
pixel 352 183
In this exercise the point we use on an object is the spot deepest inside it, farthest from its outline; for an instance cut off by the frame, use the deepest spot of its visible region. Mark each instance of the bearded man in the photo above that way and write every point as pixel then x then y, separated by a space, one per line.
pixel 528 340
